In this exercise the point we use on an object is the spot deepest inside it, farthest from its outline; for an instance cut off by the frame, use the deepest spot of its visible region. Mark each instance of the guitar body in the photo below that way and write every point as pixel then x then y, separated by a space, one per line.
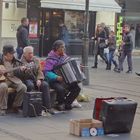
pixel 4 71
pixel 2 77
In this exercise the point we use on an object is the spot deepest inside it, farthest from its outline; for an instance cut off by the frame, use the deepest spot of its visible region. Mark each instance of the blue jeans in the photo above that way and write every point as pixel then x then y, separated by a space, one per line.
pixel 44 88
pixel 111 58
pixel 19 52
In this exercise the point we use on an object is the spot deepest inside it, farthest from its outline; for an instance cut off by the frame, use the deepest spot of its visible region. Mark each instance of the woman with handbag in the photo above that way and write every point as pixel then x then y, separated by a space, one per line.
pixel 101 40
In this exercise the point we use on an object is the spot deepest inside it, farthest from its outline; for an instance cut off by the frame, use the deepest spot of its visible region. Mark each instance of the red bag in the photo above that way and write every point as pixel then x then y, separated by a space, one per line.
pixel 97 107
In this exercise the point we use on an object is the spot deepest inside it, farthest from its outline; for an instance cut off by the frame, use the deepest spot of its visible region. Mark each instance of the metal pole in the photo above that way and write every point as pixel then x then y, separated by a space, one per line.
pixel 85 49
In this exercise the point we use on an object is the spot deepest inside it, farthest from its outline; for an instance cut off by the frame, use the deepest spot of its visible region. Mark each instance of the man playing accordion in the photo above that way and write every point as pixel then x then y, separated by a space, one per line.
pixel 66 93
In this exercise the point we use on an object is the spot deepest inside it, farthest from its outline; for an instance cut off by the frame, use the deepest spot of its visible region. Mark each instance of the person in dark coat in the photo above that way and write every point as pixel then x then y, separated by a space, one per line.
pixel 100 45
pixel 22 36
pixel 126 48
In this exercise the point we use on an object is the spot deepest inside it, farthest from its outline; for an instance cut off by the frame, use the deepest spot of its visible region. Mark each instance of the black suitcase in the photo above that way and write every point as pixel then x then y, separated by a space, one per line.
pixel 98 105
pixel 32 104
pixel 118 115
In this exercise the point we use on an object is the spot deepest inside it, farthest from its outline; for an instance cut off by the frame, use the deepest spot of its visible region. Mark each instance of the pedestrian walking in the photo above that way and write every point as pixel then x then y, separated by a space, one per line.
pixel 100 46
pixel 126 50
pixel 112 48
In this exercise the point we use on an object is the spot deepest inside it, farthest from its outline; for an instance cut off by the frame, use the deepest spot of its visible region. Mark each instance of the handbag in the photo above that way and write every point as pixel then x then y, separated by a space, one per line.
pixel 102 45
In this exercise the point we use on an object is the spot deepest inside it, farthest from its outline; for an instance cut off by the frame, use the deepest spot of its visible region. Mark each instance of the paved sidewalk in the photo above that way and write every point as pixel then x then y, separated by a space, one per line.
pixel 102 84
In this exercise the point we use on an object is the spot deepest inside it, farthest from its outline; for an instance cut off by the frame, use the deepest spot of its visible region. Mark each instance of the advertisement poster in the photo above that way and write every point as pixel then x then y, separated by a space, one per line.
pixel 33 28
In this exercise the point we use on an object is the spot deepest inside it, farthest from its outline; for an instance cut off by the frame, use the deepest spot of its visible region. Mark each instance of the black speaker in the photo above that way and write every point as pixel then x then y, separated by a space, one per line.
pixel 118 115
pixel 32 104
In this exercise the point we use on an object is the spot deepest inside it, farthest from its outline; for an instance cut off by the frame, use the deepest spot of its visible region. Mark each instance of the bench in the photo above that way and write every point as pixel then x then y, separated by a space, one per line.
pixel 12 91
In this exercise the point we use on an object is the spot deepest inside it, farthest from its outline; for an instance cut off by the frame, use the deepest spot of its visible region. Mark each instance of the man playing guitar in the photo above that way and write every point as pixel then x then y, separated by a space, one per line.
pixel 11 79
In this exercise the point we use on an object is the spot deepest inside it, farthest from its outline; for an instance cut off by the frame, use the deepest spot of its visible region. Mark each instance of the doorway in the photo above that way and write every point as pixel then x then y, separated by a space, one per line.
pixel 49 23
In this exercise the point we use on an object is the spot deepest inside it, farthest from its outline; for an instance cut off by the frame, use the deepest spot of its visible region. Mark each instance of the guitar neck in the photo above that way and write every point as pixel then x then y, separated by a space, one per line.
pixel 10 70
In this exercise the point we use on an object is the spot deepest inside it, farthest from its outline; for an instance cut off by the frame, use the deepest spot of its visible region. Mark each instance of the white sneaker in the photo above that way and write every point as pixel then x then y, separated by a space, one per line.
pixel 45 114
pixel 75 104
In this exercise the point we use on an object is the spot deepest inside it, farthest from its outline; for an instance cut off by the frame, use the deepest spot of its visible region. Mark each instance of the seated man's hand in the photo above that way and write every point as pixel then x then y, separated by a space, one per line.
pixel 2 70
pixel 38 83
pixel 22 68
pixel 59 78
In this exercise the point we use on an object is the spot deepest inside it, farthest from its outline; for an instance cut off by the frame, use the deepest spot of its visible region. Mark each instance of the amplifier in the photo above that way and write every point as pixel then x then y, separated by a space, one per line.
pixel 32 104
pixel 118 115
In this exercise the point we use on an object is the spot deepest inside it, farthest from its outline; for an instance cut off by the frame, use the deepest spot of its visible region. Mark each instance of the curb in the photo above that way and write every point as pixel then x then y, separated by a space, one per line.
pixel 136 52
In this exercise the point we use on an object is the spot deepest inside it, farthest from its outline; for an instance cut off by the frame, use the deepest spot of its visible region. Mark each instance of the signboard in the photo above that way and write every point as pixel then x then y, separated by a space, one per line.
pixel 21 3
pixel 119 30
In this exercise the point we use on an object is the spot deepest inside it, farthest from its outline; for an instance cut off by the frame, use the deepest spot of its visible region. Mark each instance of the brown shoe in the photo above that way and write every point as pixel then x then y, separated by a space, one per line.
pixel 14 110
pixel 2 112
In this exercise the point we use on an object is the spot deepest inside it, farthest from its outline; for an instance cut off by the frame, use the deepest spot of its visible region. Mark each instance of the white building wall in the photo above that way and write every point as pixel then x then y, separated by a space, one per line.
pixel 10 20
pixel 107 17
pixel 0 20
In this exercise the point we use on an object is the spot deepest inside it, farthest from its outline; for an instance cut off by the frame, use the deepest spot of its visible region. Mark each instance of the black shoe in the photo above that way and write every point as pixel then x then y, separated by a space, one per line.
pixel 60 107
pixel 129 71
pixel 137 73
pixel 51 111
pixel 117 70
pixel 94 67
pixel 68 107
pixel 108 68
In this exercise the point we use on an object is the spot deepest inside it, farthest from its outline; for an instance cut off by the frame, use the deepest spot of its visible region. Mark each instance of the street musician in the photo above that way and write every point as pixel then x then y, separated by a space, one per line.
pixel 8 61
pixel 65 96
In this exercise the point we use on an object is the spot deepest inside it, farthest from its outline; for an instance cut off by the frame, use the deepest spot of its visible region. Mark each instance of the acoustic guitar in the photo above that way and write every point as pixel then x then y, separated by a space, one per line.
pixel 2 68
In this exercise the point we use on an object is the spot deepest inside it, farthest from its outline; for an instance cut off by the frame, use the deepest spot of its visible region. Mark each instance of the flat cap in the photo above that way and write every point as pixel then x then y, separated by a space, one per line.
pixel 8 49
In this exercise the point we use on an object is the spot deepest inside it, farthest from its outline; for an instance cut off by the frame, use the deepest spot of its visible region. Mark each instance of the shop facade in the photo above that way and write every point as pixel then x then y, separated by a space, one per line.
pixel 44 18
pixel 49 13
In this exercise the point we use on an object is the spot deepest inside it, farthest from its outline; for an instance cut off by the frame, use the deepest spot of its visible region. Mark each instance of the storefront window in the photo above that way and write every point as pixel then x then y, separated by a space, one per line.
pixel 75 24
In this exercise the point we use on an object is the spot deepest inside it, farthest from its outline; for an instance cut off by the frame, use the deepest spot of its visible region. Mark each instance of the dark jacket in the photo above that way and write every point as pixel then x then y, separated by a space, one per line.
pixel 22 36
pixel 101 42
pixel 112 43
pixel 102 36
pixel 107 32
pixel 127 39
